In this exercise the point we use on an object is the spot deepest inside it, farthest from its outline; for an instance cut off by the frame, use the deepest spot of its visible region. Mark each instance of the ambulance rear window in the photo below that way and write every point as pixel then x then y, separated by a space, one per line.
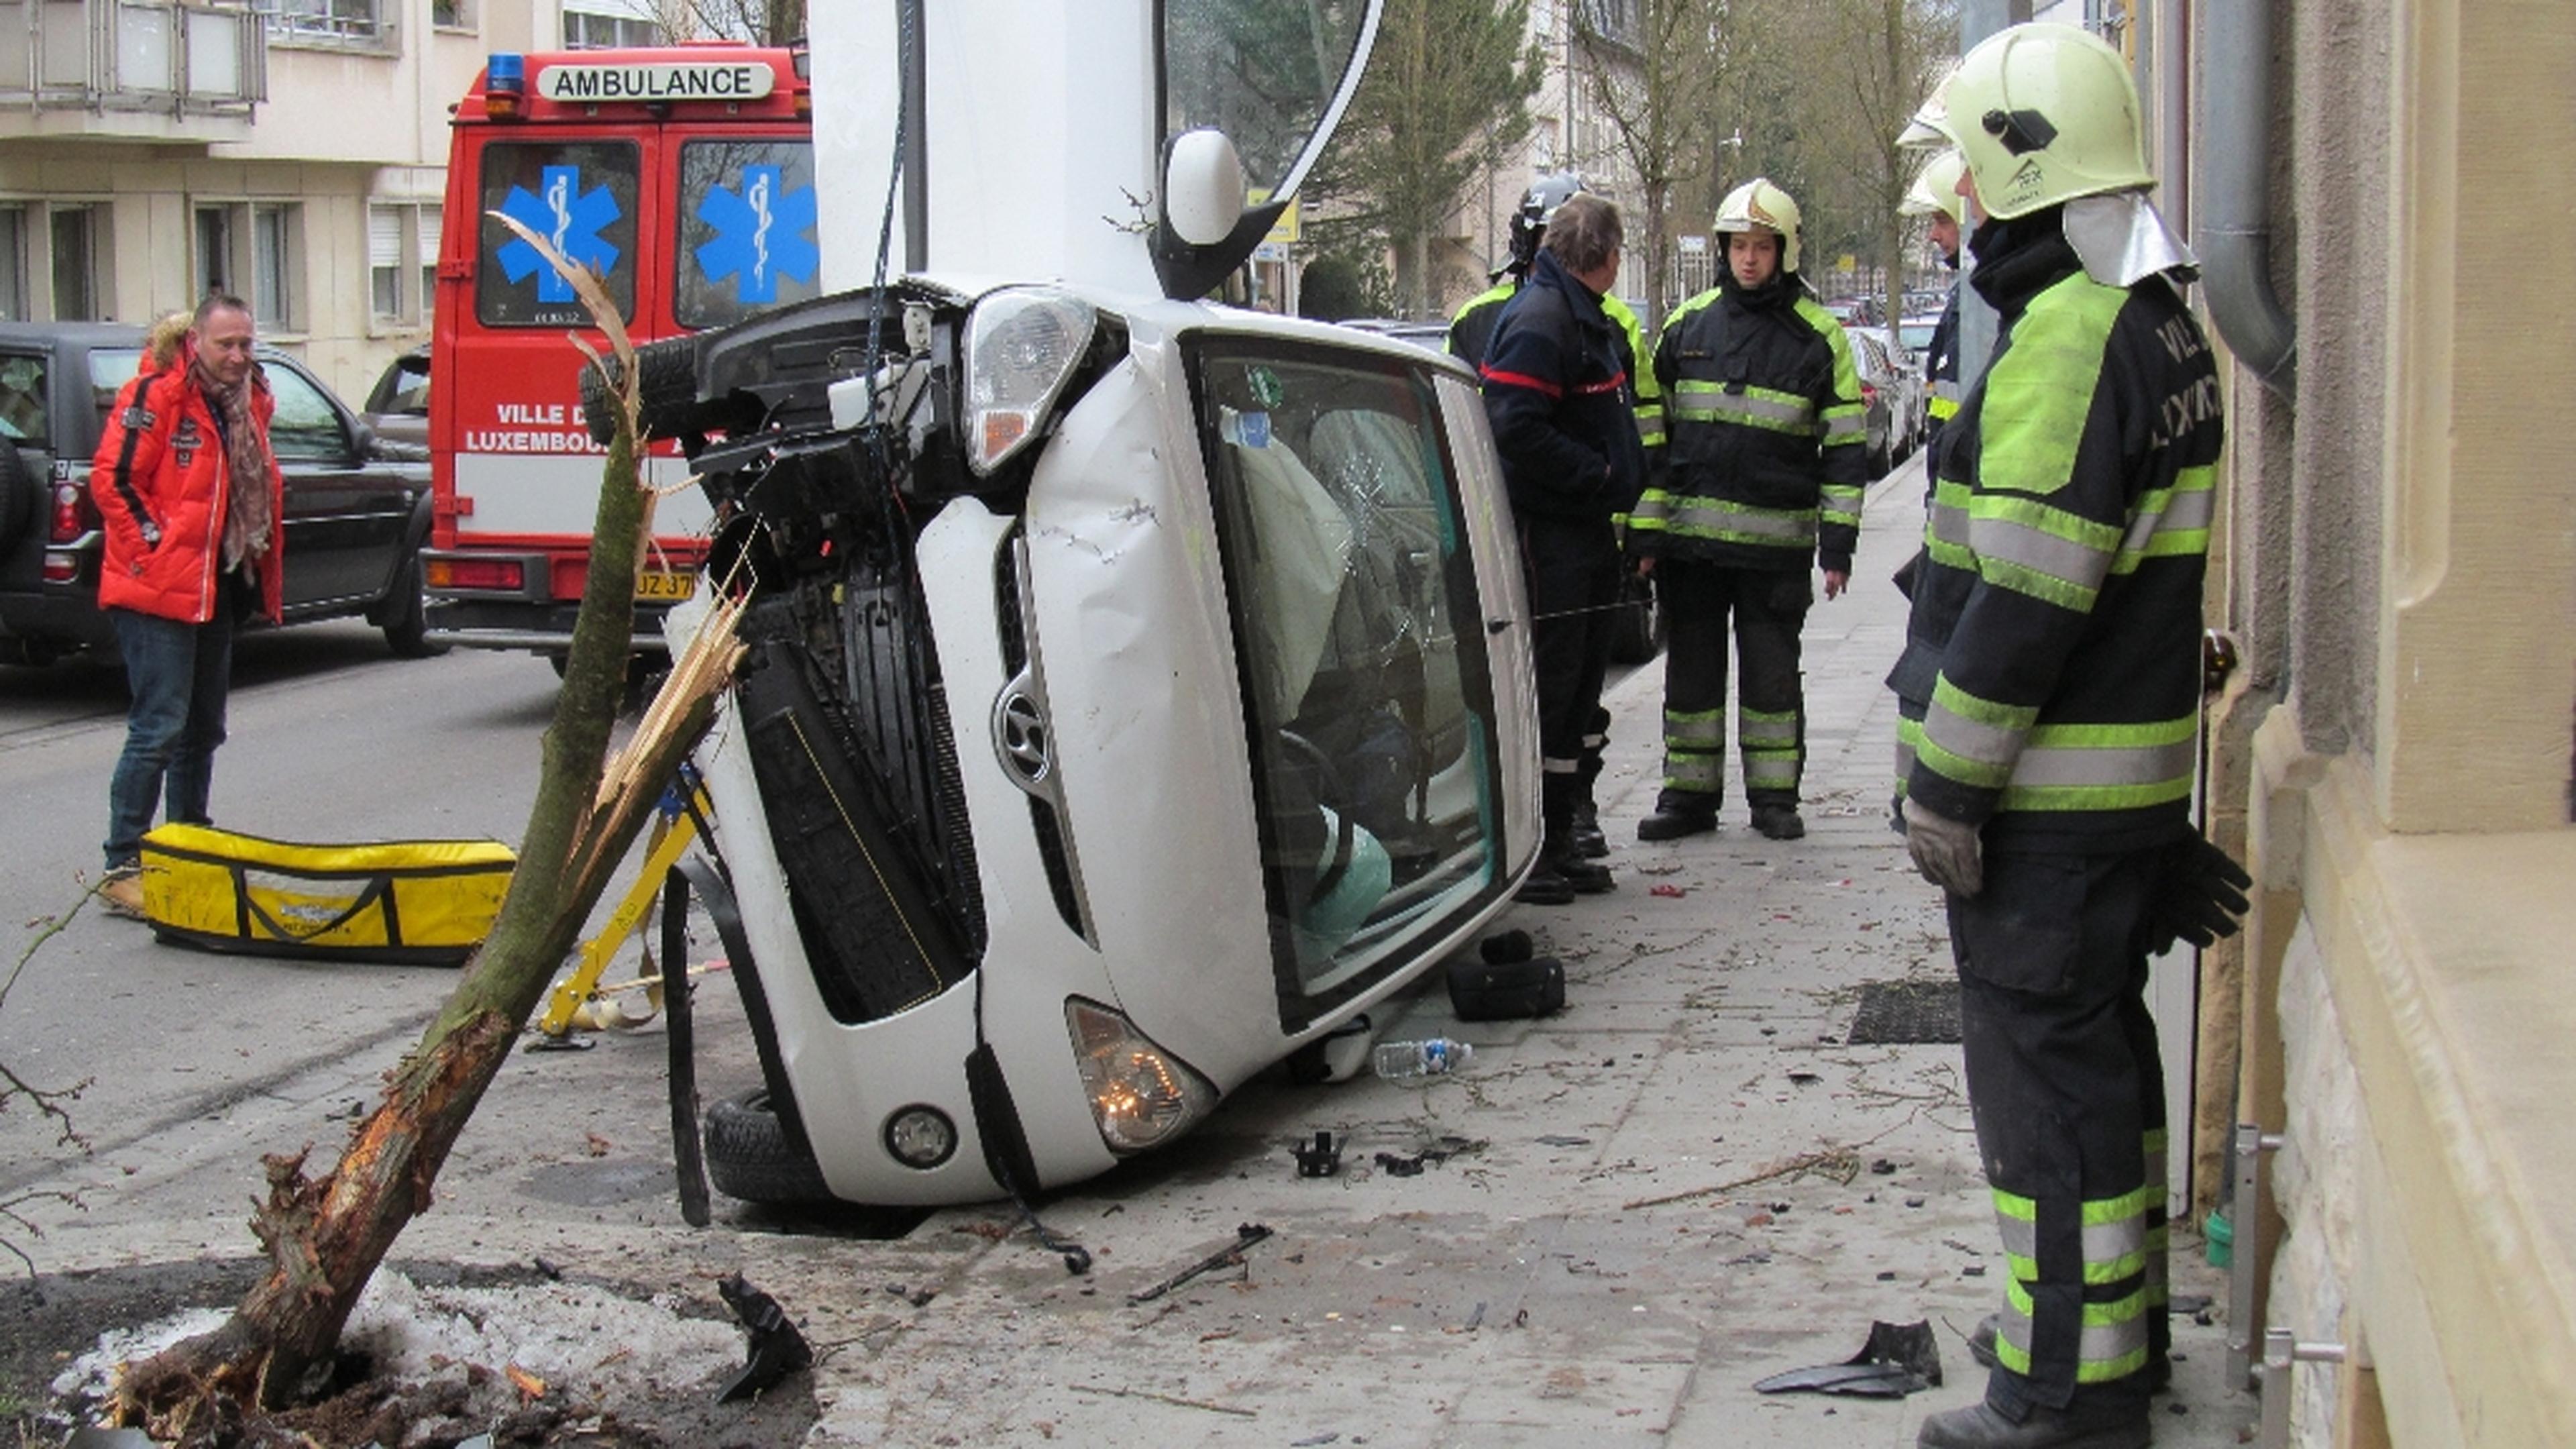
pixel 579 196
pixel 746 230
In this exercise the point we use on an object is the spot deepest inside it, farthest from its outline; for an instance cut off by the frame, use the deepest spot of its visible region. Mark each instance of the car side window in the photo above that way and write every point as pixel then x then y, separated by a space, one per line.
pixel 305 427
pixel 23 414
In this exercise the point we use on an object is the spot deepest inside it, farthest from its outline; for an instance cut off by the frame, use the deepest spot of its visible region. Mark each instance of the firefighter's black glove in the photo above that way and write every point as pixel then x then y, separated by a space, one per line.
pixel 2203 897
pixel 1946 852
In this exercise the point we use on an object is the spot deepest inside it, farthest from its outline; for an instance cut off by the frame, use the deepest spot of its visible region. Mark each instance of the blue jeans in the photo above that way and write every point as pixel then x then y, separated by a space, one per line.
pixel 178 675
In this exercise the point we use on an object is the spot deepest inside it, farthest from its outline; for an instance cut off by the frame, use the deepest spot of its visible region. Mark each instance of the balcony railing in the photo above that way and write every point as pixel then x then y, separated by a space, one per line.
pixel 176 59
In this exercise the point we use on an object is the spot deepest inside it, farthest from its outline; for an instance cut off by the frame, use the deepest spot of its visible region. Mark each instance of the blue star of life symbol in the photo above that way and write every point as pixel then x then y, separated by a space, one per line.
pixel 760 235
pixel 569 219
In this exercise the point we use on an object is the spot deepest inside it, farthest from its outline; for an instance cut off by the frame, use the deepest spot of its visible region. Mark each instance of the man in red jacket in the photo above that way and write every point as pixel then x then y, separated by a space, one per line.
pixel 194 511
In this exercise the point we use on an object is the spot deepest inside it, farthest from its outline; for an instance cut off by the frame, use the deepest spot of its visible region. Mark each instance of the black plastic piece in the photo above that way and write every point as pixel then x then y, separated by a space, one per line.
pixel 1319 1158
pixel 777 1349
pixel 1898 1359
pixel 1506 991
pixel 1189 273
pixel 680 1031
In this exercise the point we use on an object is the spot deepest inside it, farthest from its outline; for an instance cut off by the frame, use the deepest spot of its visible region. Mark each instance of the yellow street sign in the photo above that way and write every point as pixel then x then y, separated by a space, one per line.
pixel 1284 230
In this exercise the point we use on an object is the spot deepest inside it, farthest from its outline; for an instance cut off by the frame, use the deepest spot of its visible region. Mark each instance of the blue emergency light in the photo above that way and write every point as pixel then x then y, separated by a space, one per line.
pixel 505 84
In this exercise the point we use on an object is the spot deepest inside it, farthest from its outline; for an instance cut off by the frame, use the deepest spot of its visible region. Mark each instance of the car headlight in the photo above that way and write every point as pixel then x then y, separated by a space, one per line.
pixel 1022 346
pixel 1140 1094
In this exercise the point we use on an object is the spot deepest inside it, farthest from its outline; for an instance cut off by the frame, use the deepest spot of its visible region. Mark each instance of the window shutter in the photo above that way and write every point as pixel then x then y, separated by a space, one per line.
pixel 384 236
pixel 427 234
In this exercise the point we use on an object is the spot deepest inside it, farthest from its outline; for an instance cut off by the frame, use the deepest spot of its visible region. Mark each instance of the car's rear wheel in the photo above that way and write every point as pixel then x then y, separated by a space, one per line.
pixel 18 494
pixel 407 631
pixel 751 1156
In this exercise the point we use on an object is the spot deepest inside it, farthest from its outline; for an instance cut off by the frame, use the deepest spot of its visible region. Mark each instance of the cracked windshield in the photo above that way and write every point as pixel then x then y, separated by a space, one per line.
pixel 1370 710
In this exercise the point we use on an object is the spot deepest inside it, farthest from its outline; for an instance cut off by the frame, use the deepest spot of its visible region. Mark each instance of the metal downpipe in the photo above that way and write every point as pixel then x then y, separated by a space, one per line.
pixel 2232 201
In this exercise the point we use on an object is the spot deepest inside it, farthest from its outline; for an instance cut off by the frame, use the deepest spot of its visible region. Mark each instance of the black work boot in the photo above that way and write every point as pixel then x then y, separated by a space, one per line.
pixel 1588 841
pixel 1544 887
pixel 1981 1346
pixel 1779 822
pixel 1677 814
pixel 1982 1426
pixel 1588 878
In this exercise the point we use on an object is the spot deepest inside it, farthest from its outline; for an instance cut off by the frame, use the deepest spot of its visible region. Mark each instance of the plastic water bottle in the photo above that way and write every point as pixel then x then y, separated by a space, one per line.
pixel 1404 1061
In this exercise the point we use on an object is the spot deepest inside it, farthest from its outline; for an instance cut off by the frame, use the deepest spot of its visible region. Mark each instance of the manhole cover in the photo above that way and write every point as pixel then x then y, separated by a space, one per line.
pixel 1907 1011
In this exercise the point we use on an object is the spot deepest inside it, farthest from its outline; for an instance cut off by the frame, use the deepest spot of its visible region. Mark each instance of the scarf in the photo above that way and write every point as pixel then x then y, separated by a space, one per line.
pixel 246 510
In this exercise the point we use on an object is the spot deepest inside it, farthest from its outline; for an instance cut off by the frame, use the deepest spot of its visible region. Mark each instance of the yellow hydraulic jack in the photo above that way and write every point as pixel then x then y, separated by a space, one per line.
pixel 577 1003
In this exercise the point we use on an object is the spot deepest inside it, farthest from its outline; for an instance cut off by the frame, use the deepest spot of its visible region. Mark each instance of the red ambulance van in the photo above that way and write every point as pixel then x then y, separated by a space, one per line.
pixel 685 175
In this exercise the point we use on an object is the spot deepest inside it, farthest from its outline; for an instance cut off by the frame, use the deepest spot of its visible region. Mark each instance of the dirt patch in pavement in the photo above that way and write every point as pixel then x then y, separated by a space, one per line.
pixel 420 1372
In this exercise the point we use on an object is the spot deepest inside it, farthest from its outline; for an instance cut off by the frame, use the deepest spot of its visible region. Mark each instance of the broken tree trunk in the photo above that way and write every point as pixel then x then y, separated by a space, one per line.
pixel 325 1235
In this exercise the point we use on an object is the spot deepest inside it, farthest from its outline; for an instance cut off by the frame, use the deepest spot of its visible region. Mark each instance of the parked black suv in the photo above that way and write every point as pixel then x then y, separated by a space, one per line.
pixel 355 515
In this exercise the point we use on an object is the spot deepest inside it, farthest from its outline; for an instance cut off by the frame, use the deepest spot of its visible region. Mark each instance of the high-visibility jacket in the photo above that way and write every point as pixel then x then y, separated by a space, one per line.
pixel 163 486
pixel 2058 615
pixel 1560 399
pixel 1765 453
pixel 1471 331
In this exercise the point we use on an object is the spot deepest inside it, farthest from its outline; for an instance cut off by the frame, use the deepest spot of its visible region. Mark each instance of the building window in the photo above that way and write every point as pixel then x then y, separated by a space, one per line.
pixel 452 14
pixel 276 255
pixel 13 264
pixel 76 263
pixel 215 251
pixel 588 30
pixel 402 261
pixel 360 21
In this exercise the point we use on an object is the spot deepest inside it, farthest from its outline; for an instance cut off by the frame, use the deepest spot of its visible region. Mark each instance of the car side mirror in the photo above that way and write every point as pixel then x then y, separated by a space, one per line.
pixel 1204 230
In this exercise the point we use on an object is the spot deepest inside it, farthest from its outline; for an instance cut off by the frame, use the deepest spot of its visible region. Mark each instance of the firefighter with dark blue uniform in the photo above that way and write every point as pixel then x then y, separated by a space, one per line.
pixel 2047 768
pixel 1761 481
pixel 1471 330
pixel 1562 405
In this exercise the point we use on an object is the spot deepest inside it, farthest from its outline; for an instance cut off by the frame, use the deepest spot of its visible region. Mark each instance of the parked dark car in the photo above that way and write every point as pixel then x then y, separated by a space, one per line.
pixel 398 405
pixel 355 517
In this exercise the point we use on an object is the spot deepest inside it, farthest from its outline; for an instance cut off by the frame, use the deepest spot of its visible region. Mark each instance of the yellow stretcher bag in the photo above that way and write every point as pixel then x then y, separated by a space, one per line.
pixel 405 902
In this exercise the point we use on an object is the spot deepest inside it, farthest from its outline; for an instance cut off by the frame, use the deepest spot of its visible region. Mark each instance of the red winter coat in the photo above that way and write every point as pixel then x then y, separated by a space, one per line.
pixel 161 463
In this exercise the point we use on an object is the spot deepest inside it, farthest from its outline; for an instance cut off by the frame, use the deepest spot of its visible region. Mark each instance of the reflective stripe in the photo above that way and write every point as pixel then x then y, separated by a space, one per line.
pixel 1841 504
pixel 2031 548
pixel 1554 766
pixel 1771 770
pixel 2111 1345
pixel 1759 407
pixel 1695 729
pixel 1845 423
pixel 1907 732
pixel 1761 729
pixel 1694 516
pixel 1650 423
pixel 1943 409
pixel 1705 774
pixel 2171 522
pixel 1972 740
pixel 1946 390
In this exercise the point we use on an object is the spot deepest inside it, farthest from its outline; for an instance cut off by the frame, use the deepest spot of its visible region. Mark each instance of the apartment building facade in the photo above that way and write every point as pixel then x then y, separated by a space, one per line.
pixel 292 152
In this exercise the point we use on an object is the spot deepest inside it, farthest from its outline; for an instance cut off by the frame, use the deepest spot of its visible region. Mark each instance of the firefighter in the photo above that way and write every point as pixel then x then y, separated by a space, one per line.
pixel 1469 333
pixel 2046 775
pixel 1762 480
pixel 1935 194
pixel 1558 395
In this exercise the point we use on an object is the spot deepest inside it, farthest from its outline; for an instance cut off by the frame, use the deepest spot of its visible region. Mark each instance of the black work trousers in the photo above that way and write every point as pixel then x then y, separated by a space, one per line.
pixel 1768 608
pixel 1572 569
pixel 2067 1088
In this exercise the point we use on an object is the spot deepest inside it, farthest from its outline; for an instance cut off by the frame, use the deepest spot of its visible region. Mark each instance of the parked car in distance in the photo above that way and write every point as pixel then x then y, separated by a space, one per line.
pixel 1879 397
pixel 1916 332
pixel 398 405
pixel 355 516
pixel 1431 334
pixel 1898 380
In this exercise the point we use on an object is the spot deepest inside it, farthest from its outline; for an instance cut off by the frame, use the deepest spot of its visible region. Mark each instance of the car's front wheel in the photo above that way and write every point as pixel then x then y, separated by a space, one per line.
pixel 752 1156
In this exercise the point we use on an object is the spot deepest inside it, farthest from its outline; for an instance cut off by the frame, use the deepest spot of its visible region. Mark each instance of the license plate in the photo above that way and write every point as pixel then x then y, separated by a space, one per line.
pixel 663 585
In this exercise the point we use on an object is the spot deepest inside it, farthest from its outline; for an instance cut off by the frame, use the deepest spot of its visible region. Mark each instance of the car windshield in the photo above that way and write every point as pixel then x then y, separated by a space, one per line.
pixel 1369 709
pixel 404 388
pixel 1262 71
pixel 24 387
